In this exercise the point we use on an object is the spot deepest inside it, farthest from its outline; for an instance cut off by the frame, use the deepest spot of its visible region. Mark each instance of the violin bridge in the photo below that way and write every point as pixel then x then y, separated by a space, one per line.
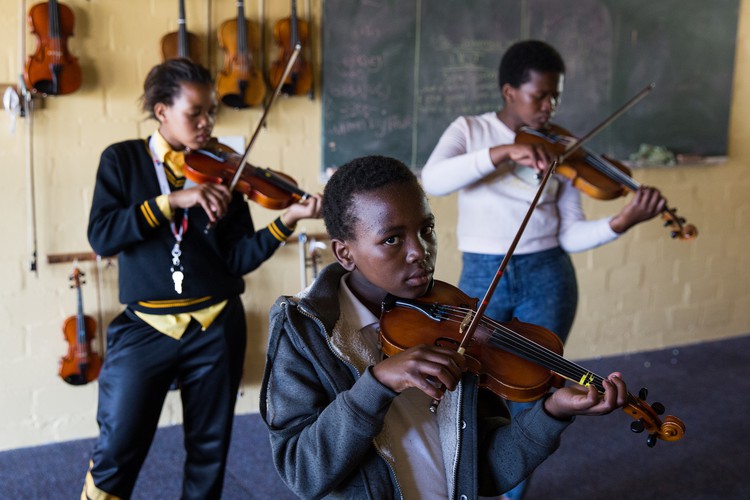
pixel 466 321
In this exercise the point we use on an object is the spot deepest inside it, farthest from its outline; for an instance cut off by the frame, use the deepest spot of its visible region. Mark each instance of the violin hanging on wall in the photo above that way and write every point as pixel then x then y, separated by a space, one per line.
pixel 52 70
pixel 240 84
pixel 81 365
pixel 181 43
pixel 288 33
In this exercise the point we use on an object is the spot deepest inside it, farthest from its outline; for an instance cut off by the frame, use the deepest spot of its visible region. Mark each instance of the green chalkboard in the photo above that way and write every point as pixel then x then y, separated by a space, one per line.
pixel 397 72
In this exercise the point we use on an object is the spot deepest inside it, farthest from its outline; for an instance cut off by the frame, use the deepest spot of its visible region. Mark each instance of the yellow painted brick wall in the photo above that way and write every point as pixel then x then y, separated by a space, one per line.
pixel 644 291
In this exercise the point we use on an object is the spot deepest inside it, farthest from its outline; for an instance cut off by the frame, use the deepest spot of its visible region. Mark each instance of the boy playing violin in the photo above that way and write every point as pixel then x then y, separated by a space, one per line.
pixel 181 285
pixel 347 422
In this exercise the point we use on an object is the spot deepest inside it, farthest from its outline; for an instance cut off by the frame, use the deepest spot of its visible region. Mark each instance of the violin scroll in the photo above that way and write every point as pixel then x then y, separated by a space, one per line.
pixel 648 418
pixel 680 230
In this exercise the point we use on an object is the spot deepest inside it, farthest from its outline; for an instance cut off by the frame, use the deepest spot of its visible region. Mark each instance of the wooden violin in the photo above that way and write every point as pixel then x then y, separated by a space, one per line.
pixel 81 365
pixel 515 360
pixel 240 84
pixel 596 175
pixel 218 163
pixel 181 43
pixel 52 69
pixel 288 33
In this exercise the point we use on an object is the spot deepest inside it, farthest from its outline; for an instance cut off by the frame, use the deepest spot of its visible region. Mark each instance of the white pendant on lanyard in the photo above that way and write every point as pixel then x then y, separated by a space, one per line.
pixel 176 270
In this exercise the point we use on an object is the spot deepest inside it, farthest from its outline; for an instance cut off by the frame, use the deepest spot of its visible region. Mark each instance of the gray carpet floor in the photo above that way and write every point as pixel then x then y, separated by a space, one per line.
pixel 706 385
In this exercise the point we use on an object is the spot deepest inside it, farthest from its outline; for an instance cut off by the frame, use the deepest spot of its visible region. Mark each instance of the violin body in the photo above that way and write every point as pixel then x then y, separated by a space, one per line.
pixel 52 69
pixel 584 176
pixel 287 33
pixel 240 84
pixel 75 368
pixel 597 175
pixel 511 376
pixel 173 48
pixel 218 163
pixel 181 43
pixel 515 360
pixel 81 364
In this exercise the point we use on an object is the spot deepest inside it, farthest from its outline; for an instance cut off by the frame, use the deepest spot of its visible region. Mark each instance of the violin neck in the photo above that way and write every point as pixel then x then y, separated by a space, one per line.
pixel 614 173
pixel 241 29
pixel 293 18
pixel 277 181
pixel 183 48
pixel 80 325
pixel 597 161
pixel 54 19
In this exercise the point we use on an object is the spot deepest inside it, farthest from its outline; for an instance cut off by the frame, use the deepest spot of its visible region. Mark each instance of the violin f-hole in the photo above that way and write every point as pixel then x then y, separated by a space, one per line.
pixel 447 342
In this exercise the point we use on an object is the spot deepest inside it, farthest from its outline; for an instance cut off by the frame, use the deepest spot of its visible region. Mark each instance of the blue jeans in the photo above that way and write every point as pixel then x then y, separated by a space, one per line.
pixel 538 288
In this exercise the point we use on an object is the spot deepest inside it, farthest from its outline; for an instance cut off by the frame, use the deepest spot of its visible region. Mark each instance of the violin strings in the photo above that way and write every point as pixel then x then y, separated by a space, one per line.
pixel 605 167
pixel 611 171
pixel 242 43
pixel 602 165
pixel 55 30
pixel 520 345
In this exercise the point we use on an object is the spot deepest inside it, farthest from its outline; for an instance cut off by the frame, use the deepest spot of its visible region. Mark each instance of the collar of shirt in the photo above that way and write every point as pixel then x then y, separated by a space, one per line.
pixel 355 311
pixel 175 160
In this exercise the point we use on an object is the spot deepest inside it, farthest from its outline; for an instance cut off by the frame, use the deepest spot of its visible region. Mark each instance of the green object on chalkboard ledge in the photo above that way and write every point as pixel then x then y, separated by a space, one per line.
pixel 649 155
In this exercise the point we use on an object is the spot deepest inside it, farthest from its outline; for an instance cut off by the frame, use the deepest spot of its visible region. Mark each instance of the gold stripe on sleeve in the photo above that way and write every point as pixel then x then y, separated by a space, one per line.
pixel 276 232
pixel 149 215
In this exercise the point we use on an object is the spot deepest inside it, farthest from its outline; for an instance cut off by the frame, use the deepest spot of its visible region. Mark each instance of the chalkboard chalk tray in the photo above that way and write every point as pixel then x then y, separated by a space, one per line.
pixel 397 72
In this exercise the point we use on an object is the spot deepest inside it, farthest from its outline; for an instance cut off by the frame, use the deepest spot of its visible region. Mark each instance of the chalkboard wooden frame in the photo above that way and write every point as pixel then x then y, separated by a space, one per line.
pixel 397 72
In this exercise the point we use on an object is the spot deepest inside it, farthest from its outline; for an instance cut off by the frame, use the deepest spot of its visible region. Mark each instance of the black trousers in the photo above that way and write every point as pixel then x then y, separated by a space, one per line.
pixel 139 367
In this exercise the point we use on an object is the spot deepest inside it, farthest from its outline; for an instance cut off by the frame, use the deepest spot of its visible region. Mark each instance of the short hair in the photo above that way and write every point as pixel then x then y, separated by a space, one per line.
pixel 360 175
pixel 163 82
pixel 523 57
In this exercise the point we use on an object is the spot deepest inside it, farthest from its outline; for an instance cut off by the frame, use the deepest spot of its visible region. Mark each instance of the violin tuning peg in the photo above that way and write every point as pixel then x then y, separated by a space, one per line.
pixel 643 393
pixel 658 408
pixel 682 220
pixel 651 440
pixel 637 426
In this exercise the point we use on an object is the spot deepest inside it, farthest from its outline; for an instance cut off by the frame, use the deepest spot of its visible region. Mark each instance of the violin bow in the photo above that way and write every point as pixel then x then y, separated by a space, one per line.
pixel 605 123
pixel 274 95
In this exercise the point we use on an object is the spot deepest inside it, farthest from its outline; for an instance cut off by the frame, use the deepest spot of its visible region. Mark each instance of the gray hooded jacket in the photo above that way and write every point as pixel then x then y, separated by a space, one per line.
pixel 325 412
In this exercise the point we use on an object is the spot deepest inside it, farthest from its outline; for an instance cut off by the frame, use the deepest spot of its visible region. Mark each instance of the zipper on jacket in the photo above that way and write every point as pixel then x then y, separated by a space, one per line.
pixel 459 433
pixel 330 346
